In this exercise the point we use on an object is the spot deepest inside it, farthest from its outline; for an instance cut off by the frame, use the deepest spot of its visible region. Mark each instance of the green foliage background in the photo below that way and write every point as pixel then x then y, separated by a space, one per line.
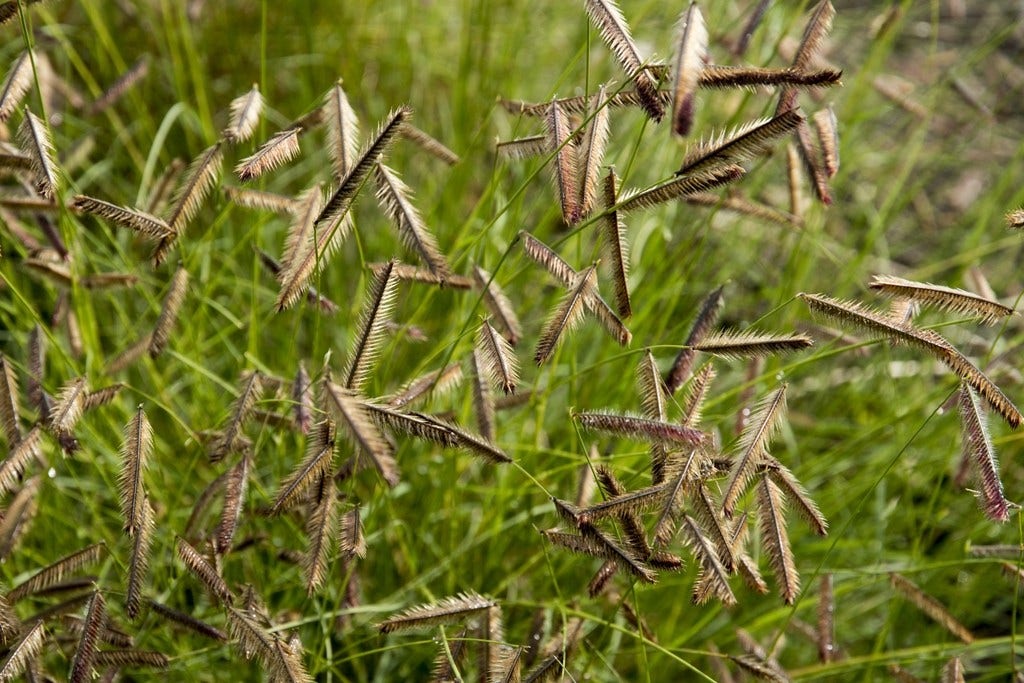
pixel 918 195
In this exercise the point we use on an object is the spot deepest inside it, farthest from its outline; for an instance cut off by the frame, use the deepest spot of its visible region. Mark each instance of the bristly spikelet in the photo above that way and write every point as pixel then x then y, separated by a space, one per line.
pixel 377 307
pixel 706 318
pixel 953 672
pixel 307 250
pixel 927 340
pixel 135 451
pixel 595 543
pixel 498 358
pixel 319 453
pixel 691 53
pixel 772 516
pixel 564 167
pixel 435 382
pixel 978 448
pixel 173 300
pixel 545 256
pixel 278 150
pixel 395 198
pixel 930 606
pixel 85 653
pixel 342 130
pixel 20 454
pixel 18 517
pixel 640 428
pixel 654 401
pixel 353 417
pixel 591 152
pixel 722 76
pixel 814 162
pixel 696 392
pixel 125 82
pixel 245 114
pixel 797 495
pixel 746 143
pixel 263 201
pixel 231 438
pixel 68 407
pixel 827 128
pixel 880 324
pixel 614 245
pixel 652 390
pixel 680 187
pixel 764 422
pixel 607 17
pixel 16 84
pixel 498 304
pixel 138 563
pixel 428 144
pixel 522 148
pixel 567 315
pixel 749 343
pixel 235 486
pixel 320 525
pixel 446 611
pixel 337 207
pixel 945 298
pixel 35 140
pixel 756 17
pixel 977 380
pixel 186 620
pixel 818 26
pixel 352 542
pixel 25 650
pixel 713 573
pixel 56 572
pixel 9 402
pixel 621 503
pixel 200 568
pixel 483 397
pixel 195 185
pixel 300 232
pixel 567 275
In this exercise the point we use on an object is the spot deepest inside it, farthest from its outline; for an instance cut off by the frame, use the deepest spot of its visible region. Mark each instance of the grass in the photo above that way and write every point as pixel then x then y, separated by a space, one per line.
pixel 918 195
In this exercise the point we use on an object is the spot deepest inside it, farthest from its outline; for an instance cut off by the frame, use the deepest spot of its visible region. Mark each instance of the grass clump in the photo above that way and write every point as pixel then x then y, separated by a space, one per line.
pixel 298 352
